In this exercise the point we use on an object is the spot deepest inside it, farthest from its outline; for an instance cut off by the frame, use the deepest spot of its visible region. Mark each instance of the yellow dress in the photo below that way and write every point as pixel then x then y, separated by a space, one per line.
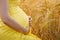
pixel 7 33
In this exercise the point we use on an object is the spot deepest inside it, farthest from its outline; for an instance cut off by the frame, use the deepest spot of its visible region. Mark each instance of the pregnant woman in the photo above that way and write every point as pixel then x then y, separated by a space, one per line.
pixel 14 23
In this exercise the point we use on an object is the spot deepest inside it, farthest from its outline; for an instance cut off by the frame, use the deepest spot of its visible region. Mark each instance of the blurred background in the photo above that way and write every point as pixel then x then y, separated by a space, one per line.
pixel 46 17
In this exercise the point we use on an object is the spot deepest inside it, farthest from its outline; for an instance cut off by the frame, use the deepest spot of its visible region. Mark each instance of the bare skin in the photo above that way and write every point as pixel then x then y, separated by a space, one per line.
pixel 9 21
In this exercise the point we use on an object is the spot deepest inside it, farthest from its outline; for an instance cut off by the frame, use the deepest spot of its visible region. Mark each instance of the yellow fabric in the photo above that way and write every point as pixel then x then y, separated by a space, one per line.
pixel 7 33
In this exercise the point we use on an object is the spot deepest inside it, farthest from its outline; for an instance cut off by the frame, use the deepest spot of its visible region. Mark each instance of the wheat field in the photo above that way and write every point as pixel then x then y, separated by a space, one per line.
pixel 46 17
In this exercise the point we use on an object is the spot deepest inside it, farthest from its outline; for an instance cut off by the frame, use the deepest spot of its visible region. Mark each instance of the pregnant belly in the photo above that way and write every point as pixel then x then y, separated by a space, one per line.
pixel 19 15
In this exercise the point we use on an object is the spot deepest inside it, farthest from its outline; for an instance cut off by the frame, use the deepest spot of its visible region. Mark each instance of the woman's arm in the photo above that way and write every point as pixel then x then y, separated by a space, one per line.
pixel 8 20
